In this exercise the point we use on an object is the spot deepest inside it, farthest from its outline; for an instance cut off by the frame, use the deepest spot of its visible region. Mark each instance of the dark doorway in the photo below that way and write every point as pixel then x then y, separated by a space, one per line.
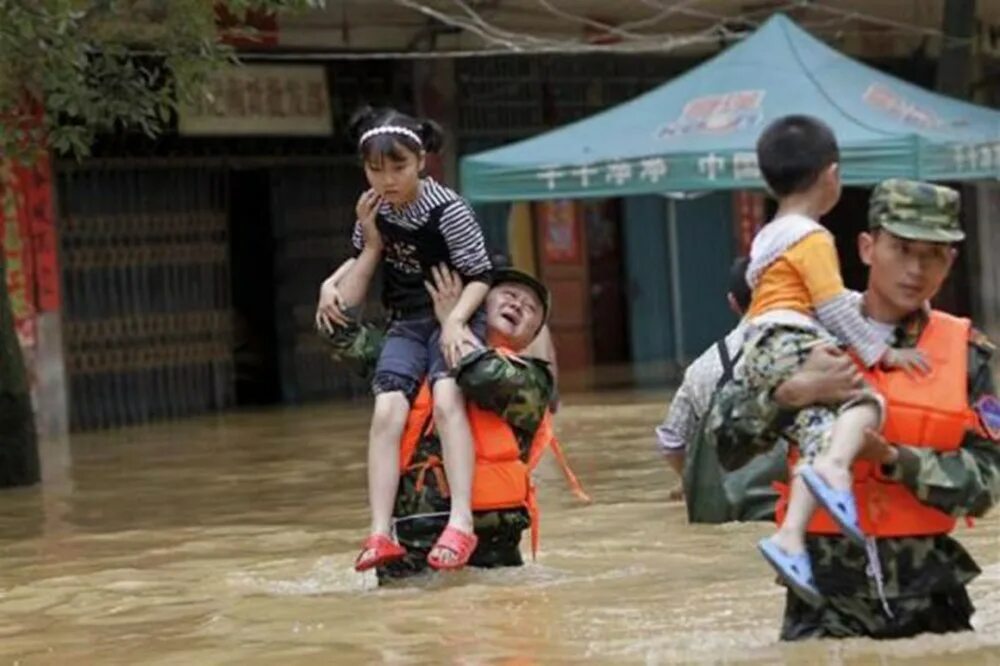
pixel 255 340
pixel 609 328
pixel 846 221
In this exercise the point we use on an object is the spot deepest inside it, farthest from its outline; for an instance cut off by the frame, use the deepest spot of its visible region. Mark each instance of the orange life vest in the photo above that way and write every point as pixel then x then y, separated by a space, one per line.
pixel 501 479
pixel 930 411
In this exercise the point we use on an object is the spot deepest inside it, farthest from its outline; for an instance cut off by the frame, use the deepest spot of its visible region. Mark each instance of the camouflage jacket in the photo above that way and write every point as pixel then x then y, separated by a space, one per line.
pixel 962 483
pixel 356 346
pixel 518 391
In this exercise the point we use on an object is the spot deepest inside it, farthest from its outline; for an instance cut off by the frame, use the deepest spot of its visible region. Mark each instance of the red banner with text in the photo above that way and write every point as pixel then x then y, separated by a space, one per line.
pixel 28 241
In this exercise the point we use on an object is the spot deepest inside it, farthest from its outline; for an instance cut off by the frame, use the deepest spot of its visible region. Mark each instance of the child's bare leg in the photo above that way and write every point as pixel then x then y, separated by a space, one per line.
pixel 457 449
pixel 790 537
pixel 811 429
pixel 846 440
pixel 388 421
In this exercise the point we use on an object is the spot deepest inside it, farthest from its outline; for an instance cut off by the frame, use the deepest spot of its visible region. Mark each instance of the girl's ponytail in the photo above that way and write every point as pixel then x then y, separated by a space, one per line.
pixel 361 121
pixel 431 135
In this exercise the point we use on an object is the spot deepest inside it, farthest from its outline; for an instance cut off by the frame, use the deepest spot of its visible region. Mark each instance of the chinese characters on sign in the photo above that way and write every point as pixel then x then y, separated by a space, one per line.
pixel 976 156
pixel 13 235
pixel 27 239
pixel 622 173
pixel 263 99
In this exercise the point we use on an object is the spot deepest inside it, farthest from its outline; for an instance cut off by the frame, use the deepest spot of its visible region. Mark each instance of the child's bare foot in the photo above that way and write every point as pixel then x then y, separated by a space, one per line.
pixel 788 541
pixel 447 556
pixel 378 550
pixel 453 549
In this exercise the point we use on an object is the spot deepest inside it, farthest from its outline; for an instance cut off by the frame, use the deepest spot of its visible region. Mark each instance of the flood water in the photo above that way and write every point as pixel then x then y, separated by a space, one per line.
pixel 230 540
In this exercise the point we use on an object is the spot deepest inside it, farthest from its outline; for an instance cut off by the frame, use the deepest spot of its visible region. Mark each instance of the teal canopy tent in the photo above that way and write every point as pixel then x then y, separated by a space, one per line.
pixel 697 132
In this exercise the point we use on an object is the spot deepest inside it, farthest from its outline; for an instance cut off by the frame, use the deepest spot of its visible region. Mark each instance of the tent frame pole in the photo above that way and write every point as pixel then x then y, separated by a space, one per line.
pixel 675 280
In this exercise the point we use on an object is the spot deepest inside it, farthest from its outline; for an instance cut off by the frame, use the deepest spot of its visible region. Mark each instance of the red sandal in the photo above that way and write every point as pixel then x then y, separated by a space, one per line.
pixel 460 544
pixel 381 550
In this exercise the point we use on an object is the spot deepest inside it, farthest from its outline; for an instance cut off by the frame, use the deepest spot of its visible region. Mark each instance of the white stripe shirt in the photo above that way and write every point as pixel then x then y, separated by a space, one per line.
pixel 459 226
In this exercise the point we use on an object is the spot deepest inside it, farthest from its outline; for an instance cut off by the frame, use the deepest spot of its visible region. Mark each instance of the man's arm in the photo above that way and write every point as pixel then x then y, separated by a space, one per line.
pixel 680 424
pixel 354 344
pixel 965 482
pixel 329 313
pixel 543 348
pixel 341 271
pixel 744 423
pixel 353 285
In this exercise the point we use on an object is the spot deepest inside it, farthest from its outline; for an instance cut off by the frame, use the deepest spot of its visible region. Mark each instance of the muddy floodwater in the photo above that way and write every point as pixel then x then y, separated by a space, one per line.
pixel 229 540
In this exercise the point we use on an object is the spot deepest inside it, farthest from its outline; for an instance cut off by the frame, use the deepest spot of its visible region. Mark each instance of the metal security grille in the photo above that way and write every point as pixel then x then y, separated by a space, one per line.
pixel 506 98
pixel 145 265
pixel 313 217
pixel 513 97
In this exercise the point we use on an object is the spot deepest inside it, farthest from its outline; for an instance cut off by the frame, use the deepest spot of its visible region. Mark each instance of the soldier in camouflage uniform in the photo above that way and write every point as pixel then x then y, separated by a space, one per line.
pixel 519 390
pixel 911 584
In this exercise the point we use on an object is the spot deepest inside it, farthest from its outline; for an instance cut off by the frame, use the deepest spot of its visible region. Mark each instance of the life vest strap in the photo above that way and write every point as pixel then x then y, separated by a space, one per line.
pixel 571 479
pixel 533 514
pixel 435 465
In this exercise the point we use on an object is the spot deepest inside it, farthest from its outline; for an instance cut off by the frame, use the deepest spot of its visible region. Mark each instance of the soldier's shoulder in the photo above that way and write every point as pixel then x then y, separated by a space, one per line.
pixel 542 372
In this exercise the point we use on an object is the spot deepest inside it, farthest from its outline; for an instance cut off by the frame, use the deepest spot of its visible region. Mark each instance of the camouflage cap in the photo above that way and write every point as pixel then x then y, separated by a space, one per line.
pixel 508 274
pixel 916 210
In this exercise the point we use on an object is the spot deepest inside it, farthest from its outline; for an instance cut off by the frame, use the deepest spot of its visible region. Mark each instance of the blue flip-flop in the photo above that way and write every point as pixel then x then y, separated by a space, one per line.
pixel 794 570
pixel 840 504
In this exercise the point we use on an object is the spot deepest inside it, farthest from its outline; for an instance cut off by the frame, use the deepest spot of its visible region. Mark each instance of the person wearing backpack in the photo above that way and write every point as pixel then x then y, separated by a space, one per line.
pixel 711 494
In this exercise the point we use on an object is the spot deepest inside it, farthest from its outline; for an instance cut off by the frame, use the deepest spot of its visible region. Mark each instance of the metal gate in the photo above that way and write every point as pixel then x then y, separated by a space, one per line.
pixel 147 307
pixel 313 216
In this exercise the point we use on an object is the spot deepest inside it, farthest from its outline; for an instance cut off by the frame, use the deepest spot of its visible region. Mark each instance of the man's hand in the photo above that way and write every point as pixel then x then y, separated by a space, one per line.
pixel 828 376
pixel 330 310
pixel 457 341
pixel 878 449
pixel 445 291
pixel 911 361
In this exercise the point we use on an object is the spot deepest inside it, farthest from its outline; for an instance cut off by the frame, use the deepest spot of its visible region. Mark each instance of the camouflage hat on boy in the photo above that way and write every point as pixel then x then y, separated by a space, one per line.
pixel 916 210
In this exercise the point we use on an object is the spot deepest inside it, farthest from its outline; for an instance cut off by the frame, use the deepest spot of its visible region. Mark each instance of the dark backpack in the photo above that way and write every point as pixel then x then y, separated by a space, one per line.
pixel 713 495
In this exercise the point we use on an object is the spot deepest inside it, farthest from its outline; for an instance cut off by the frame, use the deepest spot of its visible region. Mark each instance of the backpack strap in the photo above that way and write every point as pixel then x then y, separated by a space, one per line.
pixel 728 363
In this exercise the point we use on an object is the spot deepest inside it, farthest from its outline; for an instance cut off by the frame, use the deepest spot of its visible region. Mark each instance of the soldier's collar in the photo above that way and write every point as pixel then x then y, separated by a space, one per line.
pixel 908 330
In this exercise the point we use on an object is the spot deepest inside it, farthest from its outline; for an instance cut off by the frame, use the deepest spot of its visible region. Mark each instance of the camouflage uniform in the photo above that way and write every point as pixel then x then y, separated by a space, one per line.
pixel 924 577
pixel 356 346
pixel 773 355
pixel 519 391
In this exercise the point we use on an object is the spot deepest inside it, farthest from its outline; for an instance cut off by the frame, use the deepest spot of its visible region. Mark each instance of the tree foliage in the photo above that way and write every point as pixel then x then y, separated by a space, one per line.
pixel 73 69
